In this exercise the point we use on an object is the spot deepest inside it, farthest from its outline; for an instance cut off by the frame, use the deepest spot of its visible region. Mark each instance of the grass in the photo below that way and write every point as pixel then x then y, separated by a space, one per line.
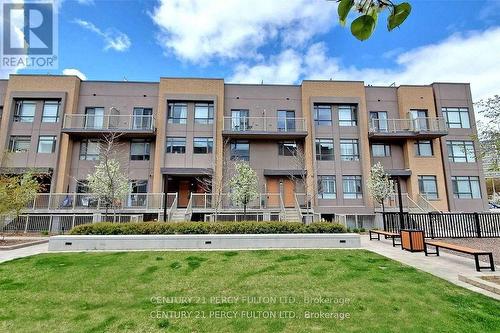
pixel 128 291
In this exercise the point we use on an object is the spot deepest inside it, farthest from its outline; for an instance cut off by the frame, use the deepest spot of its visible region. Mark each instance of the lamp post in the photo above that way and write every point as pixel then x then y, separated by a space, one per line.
pixel 400 200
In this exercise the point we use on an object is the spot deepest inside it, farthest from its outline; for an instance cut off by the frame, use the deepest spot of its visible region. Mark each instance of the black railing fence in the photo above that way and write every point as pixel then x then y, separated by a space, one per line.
pixel 446 225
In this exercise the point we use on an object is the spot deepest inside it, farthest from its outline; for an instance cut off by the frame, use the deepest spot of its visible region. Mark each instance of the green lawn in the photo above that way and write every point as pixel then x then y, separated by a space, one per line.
pixel 126 291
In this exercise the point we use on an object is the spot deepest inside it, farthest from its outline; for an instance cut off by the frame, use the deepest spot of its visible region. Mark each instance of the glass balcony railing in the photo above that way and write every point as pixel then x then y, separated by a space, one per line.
pixel 91 122
pixel 408 127
pixel 264 125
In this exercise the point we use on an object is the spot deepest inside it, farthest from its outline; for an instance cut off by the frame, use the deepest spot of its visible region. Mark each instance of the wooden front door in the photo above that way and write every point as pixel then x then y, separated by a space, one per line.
pixel 277 185
pixel 288 192
pixel 184 191
pixel 273 189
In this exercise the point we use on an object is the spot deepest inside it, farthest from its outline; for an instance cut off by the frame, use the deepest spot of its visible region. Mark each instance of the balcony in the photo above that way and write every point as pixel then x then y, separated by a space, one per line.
pixel 417 128
pixel 264 128
pixel 88 125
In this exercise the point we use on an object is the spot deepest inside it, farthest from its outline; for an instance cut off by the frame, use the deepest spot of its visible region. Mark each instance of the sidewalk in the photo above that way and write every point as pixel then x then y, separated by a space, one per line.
pixel 23 252
pixel 447 266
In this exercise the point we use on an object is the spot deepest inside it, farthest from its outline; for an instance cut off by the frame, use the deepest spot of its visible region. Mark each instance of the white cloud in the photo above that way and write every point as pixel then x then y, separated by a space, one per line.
pixel 113 39
pixel 200 30
pixel 74 71
pixel 86 2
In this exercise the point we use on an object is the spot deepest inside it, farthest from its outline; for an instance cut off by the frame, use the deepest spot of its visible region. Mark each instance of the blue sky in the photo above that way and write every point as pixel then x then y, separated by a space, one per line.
pixel 278 42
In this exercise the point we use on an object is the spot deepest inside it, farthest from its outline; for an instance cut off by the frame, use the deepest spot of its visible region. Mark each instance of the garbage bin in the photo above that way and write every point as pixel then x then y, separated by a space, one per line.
pixel 412 240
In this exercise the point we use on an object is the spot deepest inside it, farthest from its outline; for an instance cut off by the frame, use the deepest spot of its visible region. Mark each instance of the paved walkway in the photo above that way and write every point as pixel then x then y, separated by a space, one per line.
pixel 23 252
pixel 447 266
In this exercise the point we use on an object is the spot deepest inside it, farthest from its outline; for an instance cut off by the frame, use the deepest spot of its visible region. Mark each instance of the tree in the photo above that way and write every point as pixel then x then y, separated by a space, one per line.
pixel 108 183
pixel 489 132
pixel 244 185
pixel 299 163
pixel 363 26
pixel 379 184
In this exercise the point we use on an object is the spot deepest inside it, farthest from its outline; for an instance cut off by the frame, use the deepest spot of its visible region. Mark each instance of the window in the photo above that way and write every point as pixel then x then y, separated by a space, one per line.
pixel 349 150
pixel 456 117
pixel 176 145
pixel 240 150
pixel 324 149
pixel 50 112
pixel 140 150
pixel 82 187
pixel 286 121
pixel 427 186
pixel 322 115
pixel 94 118
pixel 378 121
pixel 287 148
pixel 352 187
pixel 89 150
pixel 19 144
pixel 326 187
pixel 347 115
pixel 142 118
pixel 381 150
pixel 138 190
pixel 46 144
pixel 461 151
pixel 239 120
pixel 465 187
pixel 25 111
pixel 204 113
pixel 177 113
pixel 203 145
pixel 419 119
pixel 423 148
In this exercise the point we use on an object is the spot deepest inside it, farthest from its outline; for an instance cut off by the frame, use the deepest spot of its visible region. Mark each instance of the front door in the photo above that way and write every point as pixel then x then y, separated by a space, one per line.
pixel 184 192
pixel 287 192
pixel 283 186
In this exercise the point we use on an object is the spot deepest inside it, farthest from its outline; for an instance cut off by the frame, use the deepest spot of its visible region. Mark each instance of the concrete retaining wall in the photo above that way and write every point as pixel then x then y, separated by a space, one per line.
pixel 202 242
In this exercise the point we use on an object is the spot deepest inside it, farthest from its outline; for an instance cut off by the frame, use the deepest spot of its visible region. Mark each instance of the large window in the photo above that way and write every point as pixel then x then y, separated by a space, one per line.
pixel 50 112
pixel 427 186
pixel 138 190
pixel 176 145
pixel 420 120
pixel 378 121
pixel 25 111
pixel 143 118
pixel 287 148
pixel 204 113
pixel 240 150
pixel 177 113
pixel 381 150
pixel 286 121
pixel 423 148
pixel 239 120
pixel 326 187
pixel 456 117
pixel 19 144
pixel 203 145
pixel 94 118
pixel 89 150
pixel 322 115
pixel 140 150
pixel 349 149
pixel 352 187
pixel 324 149
pixel 46 144
pixel 461 151
pixel 465 187
pixel 347 115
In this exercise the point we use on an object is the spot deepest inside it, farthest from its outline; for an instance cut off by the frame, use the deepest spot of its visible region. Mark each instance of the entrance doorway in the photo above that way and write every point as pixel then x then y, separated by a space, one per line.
pixel 285 187
pixel 184 186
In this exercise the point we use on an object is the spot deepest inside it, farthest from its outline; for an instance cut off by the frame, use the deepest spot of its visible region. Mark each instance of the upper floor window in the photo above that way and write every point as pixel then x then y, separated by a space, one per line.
pixel 19 144
pixel 419 119
pixel 46 144
pixel 176 145
pixel 50 112
pixel 240 150
pixel 423 148
pixel 324 149
pixel 352 187
pixel 287 148
pixel 456 117
pixel 239 120
pixel 204 113
pixel 347 115
pixel 461 151
pixel 349 149
pixel 378 121
pixel 326 187
pixel 142 118
pixel 94 117
pixel 322 115
pixel 427 186
pixel 177 113
pixel 203 145
pixel 465 187
pixel 140 150
pixel 381 150
pixel 89 150
pixel 25 111
pixel 286 121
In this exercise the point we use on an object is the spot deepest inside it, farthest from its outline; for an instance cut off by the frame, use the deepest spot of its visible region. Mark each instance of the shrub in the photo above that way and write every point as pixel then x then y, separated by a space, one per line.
pixel 168 228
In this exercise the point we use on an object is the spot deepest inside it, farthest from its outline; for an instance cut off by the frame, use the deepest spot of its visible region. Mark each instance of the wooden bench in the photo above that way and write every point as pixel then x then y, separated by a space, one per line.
pixel 387 234
pixel 476 253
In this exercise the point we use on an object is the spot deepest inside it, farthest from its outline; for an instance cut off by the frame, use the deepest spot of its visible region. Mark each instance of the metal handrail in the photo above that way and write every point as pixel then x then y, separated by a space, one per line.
pixel 189 209
pixel 428 205
pixel 264 124
pixel 297 207
pixel 173 206
pixel 109 122
pixel 420 124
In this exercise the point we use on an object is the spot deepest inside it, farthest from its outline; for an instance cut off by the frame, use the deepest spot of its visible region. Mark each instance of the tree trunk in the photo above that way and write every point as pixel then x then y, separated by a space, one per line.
pixel 245 212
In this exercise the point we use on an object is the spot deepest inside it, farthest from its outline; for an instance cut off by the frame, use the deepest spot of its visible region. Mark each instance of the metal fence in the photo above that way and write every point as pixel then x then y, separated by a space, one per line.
pixel 446 225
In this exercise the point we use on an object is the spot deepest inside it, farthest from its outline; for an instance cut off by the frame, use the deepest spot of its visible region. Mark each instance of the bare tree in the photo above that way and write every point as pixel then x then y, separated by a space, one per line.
pixel 299 163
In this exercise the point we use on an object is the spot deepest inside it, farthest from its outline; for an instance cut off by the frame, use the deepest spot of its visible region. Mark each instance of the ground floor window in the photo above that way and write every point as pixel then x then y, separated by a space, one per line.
pixel 465 187
pixel 326 187
pixel 427 186
pixel 352 187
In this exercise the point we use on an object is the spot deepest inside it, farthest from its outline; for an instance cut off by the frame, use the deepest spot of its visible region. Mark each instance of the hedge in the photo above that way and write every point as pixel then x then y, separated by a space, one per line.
pixel 168 228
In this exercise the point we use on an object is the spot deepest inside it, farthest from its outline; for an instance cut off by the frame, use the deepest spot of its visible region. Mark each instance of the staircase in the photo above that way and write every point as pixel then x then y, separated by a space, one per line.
pixel 291 215
pixel 178 215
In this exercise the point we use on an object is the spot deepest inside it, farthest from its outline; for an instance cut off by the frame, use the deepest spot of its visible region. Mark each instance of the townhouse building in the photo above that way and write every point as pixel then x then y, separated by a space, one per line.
pixel 312 145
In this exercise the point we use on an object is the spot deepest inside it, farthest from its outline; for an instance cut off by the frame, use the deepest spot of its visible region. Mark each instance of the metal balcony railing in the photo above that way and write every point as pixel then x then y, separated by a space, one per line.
pixel 418 125
pixel 109 122
pixel 264 124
